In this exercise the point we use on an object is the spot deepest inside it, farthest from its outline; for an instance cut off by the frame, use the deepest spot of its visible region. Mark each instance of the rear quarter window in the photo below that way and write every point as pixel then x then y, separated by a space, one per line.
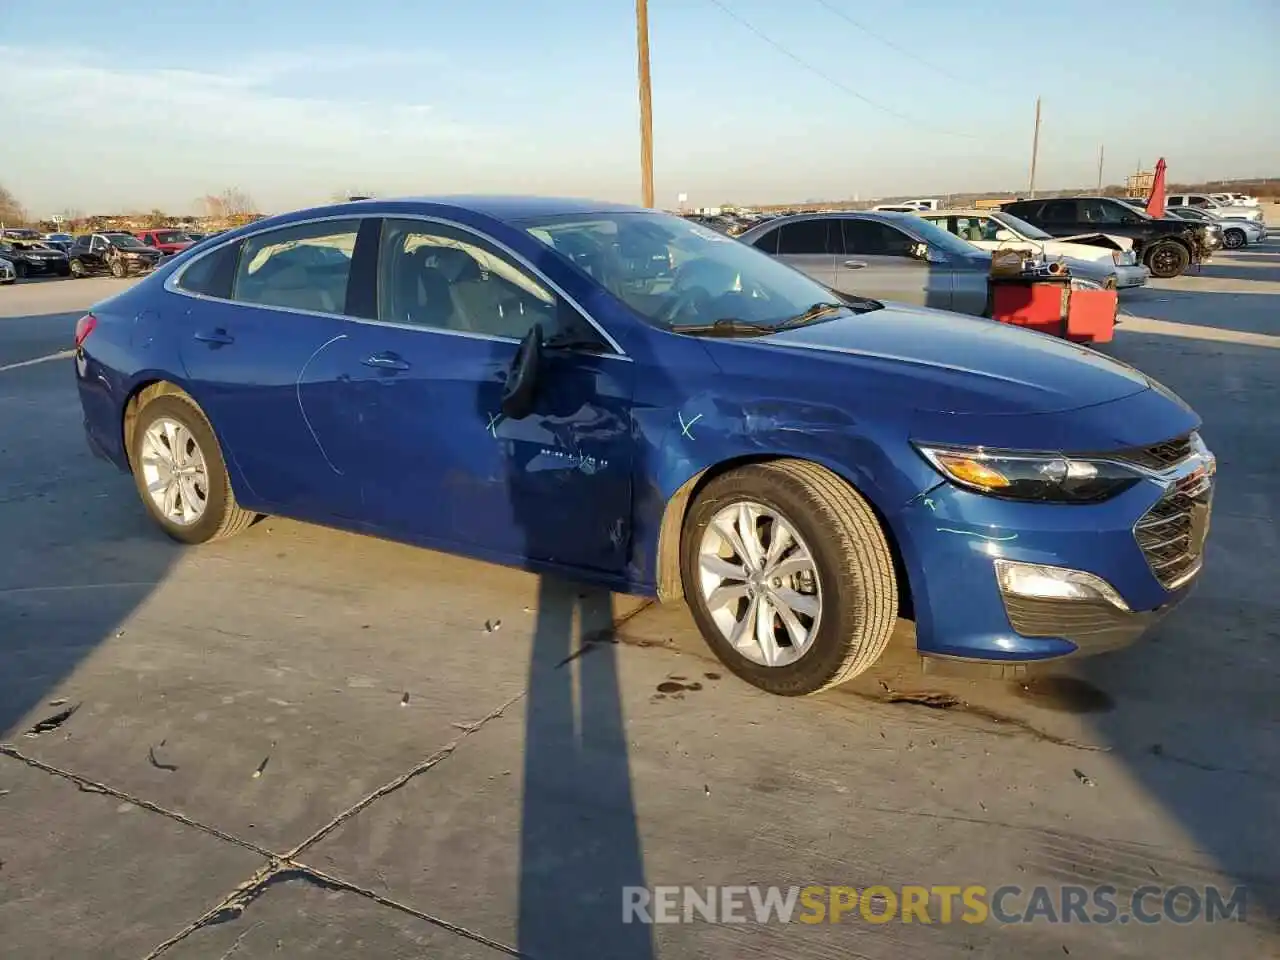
pixel 212 274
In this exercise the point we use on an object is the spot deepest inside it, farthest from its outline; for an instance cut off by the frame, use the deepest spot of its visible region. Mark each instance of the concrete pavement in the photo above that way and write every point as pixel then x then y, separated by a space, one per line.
pixel 307 743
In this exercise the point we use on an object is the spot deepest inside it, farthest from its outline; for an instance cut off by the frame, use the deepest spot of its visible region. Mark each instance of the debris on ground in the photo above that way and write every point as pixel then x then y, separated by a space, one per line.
pixel 492 625
pixel 156 762
pixel 1083 778
pixel 53 722
pixel 404 701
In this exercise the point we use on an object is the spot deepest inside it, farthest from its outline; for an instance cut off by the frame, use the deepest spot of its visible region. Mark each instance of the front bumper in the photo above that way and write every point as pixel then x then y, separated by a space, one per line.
pixel 1129 277
pixel 50 266
pixel 951 539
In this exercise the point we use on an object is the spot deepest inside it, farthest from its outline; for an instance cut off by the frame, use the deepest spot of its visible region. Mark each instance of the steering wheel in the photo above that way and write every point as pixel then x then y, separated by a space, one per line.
pixel 693 297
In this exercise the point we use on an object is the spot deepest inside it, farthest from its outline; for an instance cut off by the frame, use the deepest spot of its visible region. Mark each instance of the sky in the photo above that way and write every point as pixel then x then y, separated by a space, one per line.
pixel 116 107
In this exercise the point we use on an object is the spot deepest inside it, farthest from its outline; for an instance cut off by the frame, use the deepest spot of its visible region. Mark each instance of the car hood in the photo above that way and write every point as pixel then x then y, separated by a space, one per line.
pixel 950 363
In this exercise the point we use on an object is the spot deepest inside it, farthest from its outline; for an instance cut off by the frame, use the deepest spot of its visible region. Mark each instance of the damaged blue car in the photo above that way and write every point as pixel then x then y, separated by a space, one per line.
pixel 620 395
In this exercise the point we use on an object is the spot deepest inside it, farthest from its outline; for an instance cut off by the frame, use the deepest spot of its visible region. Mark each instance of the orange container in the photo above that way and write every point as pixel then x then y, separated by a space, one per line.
pixel 1091 316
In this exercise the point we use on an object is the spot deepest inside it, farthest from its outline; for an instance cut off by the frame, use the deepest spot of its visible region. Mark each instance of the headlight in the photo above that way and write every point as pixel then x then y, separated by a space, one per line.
pixel 1084 283
pixel 1025 475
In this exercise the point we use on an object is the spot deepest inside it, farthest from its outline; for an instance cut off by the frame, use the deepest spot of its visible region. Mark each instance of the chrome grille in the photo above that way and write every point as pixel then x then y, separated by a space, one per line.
pixel 1172 533
pixel 1158 456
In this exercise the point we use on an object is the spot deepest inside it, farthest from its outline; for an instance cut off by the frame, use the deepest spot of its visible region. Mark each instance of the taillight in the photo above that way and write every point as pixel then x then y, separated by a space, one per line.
pixel 85 326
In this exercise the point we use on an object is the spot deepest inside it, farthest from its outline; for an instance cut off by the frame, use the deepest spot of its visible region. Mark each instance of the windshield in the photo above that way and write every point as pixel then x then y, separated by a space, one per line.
pixel 680 275
pixel 171 236
pixel 1018 225
pixel 124 240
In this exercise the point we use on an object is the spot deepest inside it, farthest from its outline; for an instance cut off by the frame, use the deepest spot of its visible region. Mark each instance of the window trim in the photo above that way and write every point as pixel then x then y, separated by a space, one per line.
pixel 171 282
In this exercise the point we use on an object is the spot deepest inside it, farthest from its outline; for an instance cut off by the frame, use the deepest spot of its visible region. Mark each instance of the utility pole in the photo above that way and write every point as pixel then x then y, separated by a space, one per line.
pixel 646 102
pixel 1101 153
pixel 1035 150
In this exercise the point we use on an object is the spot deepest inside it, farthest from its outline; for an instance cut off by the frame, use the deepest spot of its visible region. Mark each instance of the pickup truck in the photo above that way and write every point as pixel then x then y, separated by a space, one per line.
pixel 1167 247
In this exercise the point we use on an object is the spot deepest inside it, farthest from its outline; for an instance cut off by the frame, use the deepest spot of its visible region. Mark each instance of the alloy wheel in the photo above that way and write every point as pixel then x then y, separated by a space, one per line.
pixel 760 584
pixel 174 472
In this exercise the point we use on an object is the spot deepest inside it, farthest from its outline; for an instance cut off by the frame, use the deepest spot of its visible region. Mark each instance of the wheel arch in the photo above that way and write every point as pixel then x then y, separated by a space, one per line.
pixel 143 391
pixel 668 579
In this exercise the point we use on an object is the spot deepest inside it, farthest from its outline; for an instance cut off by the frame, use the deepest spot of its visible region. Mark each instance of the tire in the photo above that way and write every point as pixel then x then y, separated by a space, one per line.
pixel 854 568
pixel 1167 259
pixel 118 269
pixel 221 516
pixel 77 269
pixel 1234 239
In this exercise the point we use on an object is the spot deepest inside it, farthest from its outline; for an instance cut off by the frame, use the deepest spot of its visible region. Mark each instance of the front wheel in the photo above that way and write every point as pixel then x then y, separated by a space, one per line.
pixel 180 473
pixel 1168 259
pixel 789 576
pixel 1234 239
pixel 118 269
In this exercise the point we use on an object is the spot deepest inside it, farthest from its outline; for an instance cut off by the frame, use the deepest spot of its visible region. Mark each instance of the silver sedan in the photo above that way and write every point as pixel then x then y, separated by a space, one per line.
pixel 890 256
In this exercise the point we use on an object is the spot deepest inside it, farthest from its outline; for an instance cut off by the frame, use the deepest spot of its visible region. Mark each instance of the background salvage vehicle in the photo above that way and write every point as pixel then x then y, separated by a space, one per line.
pixel 1235 233
pixel 627 397
pixel 888 255
pixel 993 230
pixel 1211 204
pixel 1166 247
pixel 119 254
pixel 34 258
pixel 168 242
pixel 8 274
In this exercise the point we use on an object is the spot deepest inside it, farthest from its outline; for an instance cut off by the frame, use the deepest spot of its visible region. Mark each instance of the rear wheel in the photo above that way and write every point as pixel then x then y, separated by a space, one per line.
pixel 180 473
pixel 1167 259
pixel 789 576
pixel 1234 239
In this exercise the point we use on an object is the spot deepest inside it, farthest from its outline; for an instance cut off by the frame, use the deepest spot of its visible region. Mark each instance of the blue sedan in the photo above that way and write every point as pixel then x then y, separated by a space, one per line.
pixel 623 396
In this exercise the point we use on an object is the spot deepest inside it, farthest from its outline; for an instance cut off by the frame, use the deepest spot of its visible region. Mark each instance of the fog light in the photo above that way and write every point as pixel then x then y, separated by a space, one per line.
pixel 1054 583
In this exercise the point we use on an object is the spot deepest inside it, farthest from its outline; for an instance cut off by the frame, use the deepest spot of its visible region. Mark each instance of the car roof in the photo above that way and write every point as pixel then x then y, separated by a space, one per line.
pixel 510 207
pixel 959 212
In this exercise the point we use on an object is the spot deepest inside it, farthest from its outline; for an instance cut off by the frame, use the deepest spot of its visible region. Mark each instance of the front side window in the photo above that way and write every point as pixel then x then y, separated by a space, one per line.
pixel 679 275
pixel 439 276
pixel 975 229
pixel 870 238
pixel 304 267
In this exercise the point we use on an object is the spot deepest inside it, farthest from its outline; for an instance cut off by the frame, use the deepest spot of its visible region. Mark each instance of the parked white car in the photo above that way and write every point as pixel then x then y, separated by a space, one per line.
pixel 1235 199
pixel 8 273
pixel 1205 202
pixel 1235 233
pixel 997 230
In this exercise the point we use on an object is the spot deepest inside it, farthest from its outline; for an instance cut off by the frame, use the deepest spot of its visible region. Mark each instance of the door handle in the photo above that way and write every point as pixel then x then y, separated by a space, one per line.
pixel 855 264
pixel 217 337
pixel 386 361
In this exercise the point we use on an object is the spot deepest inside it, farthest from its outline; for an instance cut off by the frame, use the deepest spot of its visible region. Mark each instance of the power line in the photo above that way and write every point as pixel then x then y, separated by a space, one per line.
pixel 830 79
pixel 905 51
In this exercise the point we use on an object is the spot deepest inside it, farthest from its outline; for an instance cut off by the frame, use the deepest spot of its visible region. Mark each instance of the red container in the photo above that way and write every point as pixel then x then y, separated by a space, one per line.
pixel 1037 304
pixel 1051 306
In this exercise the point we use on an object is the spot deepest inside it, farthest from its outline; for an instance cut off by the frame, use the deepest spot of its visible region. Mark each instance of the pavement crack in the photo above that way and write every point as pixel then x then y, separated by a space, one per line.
pixel 92 786
pixel 604 635
pixel 283 870
pixel 417 770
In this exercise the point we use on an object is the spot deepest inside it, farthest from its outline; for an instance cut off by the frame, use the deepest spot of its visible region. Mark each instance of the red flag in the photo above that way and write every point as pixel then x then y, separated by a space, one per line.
pixel 1155 202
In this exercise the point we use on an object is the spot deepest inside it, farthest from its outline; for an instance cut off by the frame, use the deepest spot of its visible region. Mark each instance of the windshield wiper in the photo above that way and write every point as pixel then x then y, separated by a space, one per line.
pixel 726 327
pixel 814 313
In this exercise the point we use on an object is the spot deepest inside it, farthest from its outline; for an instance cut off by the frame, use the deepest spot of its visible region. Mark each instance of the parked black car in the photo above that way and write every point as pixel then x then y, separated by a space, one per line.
pixel 1167 247
pixel 34 258
pixel 119 254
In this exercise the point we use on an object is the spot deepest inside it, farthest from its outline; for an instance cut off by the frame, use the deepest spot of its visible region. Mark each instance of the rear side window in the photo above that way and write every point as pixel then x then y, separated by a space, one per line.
pixel 303 267
pixel 1059 211
pixel 212 274
pixel 768 241
pixel 804 237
